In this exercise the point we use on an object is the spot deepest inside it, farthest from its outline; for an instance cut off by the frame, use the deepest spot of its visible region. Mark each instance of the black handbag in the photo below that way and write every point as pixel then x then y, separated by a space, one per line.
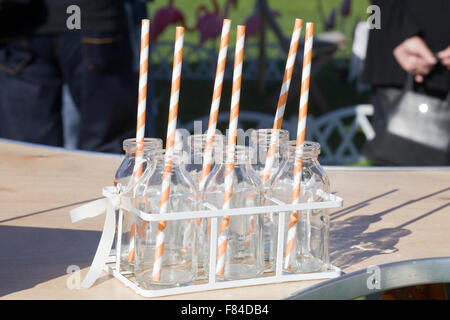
pixel 415 131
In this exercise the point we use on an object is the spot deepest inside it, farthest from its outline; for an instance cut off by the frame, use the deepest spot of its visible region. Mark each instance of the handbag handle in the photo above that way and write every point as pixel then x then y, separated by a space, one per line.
pixel 409 86
pixel 409 82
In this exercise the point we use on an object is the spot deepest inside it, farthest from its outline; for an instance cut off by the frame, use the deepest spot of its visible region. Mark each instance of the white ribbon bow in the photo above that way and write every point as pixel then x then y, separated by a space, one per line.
pixel 114 200
pixel 92 209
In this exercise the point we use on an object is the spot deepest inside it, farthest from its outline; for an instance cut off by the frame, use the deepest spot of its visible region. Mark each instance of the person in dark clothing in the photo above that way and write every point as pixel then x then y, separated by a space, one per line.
pixel 39 52
pixel 413 43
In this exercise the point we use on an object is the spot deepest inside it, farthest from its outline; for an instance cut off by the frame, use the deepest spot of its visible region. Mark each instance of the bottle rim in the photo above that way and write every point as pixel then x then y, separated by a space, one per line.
pixel 129 145
pixel 201 138
pixel 264 136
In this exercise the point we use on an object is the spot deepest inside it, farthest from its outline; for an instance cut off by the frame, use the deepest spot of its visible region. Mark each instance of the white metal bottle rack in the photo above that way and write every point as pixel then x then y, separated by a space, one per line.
pixel 113 267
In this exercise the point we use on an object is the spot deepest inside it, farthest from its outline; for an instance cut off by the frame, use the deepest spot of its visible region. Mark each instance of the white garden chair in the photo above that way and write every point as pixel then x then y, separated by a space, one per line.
pixel 342 125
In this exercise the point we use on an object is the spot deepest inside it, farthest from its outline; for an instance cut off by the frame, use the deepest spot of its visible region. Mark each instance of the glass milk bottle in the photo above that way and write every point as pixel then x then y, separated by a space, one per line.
pixel 123 177
pixel 242 256
pixel 194 165
pixel 310 249
pixel 260 141
pixel 196 152
pixel 125 170
pixel 178 261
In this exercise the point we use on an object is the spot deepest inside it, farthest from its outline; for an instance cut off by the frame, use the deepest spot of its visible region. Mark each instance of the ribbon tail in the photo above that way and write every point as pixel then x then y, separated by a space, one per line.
pixel 89 210
pixel 103 249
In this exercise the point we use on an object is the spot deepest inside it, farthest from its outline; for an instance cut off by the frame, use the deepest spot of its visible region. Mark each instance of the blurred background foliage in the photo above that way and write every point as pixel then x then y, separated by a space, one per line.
pixel 286 11
pixel 332 79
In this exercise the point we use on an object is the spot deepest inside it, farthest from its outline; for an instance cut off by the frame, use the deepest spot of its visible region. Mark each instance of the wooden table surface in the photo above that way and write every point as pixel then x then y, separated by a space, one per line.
pixel 388 216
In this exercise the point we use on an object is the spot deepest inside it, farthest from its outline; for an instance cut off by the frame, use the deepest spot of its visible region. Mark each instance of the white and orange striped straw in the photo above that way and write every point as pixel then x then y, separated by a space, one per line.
pixel 215 103
pixel 231 145
pixel 301 129
pixel 140 127
pixel 170 142
pixel 290 62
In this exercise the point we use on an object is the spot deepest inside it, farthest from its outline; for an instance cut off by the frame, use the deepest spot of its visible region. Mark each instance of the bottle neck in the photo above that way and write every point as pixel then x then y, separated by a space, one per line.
pixel 197 148
pixel 150 145
pixel 310 150
pixel 263 138
pixel 160 158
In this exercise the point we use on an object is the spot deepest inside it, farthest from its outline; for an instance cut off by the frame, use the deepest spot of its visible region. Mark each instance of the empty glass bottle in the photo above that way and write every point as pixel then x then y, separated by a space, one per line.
pixel 312 228
pixel 123 177
pixel 244 254
pixel 194 165
pixel 260 142
pixel 195 160
pixel 125 170
pixel 178 258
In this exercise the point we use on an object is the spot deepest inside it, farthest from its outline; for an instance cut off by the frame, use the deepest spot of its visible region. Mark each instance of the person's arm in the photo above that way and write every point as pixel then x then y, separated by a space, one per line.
pixel 414 56
pixel 412 53
pixel 407 24
pixel 444 56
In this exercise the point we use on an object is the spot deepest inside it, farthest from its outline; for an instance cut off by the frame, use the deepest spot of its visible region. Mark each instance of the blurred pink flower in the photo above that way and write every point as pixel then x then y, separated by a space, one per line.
pixel 331 20
pixel 346 7
pixel 253 23
pixel 163 18
pixel 209 23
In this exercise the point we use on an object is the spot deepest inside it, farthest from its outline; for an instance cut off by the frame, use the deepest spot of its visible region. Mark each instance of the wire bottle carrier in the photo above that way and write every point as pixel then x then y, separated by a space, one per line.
pixel 108 259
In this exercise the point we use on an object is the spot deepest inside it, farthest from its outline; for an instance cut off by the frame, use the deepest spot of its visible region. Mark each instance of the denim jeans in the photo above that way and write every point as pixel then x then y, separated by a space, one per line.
pixel 98 70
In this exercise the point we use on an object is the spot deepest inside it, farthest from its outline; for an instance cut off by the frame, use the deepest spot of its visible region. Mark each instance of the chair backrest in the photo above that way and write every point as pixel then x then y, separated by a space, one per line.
pixel 247 120
pixel 340 132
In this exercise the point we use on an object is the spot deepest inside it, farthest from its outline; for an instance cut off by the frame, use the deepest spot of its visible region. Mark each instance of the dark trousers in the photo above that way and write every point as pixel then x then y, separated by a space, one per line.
pixel 98 69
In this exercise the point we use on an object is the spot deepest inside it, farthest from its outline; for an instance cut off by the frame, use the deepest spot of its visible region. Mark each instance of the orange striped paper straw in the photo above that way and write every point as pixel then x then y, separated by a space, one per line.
pixel 140 127
pixel 215 103
pixel 170 142
pixel 290 62
pixel 231 143
pixel 301 128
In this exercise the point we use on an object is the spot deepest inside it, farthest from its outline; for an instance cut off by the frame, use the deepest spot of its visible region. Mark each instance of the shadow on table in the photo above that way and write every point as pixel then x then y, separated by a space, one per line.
pixel 350 244
pixel 49 210
pixel 30 256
